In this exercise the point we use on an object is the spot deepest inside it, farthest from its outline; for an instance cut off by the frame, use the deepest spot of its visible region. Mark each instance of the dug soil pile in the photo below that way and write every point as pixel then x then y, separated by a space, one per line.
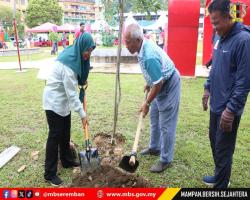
pixel 108 175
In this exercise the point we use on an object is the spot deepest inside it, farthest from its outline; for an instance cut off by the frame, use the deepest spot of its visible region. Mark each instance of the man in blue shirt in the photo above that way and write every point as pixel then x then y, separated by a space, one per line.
pixel 227 86
pixel 163 84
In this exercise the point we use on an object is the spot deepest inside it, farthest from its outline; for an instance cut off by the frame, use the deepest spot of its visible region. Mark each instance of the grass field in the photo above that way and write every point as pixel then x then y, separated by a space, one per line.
pixel 23 124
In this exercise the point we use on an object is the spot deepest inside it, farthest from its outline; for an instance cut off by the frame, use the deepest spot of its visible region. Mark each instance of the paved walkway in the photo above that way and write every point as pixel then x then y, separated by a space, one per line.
pixel 44 66
pixel 27 64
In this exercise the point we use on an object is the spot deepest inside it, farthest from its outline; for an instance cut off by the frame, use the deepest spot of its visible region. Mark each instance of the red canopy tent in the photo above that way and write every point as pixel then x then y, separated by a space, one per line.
pixel 66 28
pixel 43 28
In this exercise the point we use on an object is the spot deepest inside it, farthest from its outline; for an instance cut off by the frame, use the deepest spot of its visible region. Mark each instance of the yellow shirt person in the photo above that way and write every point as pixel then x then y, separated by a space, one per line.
pixel 71 39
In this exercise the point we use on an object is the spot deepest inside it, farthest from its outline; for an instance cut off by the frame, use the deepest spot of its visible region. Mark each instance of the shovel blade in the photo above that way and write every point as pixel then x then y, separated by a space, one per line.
pixel 124 164
pixel 89 160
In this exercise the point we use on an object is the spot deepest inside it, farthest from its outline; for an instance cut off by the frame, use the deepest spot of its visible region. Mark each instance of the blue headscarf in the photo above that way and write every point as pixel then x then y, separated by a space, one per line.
pixel 72 58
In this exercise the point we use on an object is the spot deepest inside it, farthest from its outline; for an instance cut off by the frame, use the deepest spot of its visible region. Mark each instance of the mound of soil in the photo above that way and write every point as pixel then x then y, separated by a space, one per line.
pixel 108 176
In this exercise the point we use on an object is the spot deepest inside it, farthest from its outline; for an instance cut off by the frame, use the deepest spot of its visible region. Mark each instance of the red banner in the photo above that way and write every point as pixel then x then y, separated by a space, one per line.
pixel 183 23
pixel 123 193
pixel 82 193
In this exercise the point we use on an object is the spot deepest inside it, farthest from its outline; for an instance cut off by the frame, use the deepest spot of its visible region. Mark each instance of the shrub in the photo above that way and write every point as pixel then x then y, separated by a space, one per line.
pixel 107 39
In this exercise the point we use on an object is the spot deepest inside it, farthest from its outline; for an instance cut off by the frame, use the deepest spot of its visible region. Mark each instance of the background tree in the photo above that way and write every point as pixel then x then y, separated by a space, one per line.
pixel 147 6
pixel 6 19
pixel 111 8
pixel 42 11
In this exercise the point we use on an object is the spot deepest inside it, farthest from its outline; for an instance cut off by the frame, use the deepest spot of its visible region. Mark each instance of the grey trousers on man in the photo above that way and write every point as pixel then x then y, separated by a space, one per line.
pixel 163 115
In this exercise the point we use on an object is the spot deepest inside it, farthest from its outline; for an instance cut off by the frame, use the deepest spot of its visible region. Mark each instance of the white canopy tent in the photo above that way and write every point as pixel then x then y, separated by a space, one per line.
pixel 66 27
pixel 43 28
pixel 99 25
pixel 130 20
pixel 161 22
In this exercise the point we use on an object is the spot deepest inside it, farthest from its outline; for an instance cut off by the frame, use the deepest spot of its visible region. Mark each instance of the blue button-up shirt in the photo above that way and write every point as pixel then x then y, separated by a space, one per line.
pixel 155 63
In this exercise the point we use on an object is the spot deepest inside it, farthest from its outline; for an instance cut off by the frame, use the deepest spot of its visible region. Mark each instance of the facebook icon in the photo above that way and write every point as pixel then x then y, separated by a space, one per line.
pixel 6 194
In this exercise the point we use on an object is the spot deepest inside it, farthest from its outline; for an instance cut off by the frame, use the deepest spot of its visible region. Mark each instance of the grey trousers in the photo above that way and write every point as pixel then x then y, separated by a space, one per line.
pixel 163 115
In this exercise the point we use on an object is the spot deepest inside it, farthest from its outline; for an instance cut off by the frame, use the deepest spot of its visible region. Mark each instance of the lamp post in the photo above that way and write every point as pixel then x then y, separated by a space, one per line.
pixel 16 36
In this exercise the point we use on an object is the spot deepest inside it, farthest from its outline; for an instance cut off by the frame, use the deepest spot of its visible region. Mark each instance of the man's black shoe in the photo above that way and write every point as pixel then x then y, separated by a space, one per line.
pixel 159 167
pixel 149 151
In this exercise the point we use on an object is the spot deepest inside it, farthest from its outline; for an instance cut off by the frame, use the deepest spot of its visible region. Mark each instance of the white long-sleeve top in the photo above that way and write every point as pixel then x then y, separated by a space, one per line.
pixel 60 93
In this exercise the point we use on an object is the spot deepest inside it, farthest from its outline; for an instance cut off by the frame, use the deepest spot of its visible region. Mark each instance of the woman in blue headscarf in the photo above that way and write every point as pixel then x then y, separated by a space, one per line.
pixel 60 97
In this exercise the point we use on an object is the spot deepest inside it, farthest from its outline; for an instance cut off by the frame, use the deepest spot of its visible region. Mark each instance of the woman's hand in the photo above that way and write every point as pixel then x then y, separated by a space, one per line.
pixel 84 122
pixel 86 54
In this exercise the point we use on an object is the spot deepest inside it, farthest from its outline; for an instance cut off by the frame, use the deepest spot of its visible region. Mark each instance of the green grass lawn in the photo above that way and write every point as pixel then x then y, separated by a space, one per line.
pixel 23 124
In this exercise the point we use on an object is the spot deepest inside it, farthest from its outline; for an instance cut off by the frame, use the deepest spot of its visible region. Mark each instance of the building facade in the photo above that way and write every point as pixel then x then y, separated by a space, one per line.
pixel 76 11
pixel 20 4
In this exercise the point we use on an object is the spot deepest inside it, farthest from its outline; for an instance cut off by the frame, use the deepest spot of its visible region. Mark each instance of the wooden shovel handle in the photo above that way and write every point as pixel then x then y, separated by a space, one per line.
pixel 137 135
pixel 132 160
pixel 86 129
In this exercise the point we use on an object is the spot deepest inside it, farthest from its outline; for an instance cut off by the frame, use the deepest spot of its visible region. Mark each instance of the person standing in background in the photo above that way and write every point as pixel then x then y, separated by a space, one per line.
pixel 79 32
pixel 54 37
pixel 71 38
pixel 161 39
pixel 64 40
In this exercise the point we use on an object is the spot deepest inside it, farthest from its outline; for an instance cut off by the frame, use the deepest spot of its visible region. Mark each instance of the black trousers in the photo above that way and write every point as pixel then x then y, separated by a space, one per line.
pixel 59 137
pixel 223 145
